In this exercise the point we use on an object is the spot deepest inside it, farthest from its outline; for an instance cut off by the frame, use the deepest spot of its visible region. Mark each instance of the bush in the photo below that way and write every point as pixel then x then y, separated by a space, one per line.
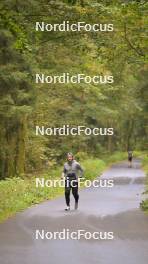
pixel 93 168
pixel 81 156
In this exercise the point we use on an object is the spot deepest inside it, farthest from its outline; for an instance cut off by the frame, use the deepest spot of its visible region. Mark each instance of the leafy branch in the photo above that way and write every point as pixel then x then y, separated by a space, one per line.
pixel 136 49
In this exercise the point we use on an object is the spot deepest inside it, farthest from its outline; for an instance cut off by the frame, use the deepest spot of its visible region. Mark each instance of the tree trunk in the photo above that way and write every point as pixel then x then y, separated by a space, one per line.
pixel 21 140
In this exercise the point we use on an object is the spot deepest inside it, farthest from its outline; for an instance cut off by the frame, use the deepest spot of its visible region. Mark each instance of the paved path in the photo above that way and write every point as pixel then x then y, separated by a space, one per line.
pixel 101 209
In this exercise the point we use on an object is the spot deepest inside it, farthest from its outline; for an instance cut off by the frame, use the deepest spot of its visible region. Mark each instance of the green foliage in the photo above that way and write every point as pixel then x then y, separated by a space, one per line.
pixel 117 156
pixel 16 94
pixel 144 204
pixel 93 168
pixel 81 156
pixel 23 104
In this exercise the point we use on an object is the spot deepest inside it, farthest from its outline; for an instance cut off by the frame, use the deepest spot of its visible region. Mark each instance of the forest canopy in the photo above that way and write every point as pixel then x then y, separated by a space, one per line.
pixel 24 104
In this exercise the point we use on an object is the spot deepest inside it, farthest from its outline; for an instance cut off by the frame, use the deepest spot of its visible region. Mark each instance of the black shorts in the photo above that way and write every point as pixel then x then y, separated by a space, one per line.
pixel 130 159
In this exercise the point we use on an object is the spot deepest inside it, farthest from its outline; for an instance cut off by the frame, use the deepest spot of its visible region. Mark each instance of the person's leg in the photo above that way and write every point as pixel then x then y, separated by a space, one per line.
pixel 75 193
pixel 67 194
pixel 131 163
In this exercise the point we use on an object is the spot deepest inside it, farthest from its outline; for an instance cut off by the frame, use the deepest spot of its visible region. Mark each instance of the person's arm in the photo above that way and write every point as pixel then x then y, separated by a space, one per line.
pixel 80 170
pixel 63 173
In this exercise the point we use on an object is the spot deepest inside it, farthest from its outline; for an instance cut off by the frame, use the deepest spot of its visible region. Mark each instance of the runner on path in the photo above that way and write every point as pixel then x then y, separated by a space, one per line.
pixel 130 158
pixel 71 172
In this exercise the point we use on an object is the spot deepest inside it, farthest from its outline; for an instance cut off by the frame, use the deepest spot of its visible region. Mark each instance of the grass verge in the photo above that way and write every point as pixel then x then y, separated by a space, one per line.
pixel 144 204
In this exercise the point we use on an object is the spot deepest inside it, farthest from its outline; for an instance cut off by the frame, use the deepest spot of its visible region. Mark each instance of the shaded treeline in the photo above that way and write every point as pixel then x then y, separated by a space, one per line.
pixel 24 104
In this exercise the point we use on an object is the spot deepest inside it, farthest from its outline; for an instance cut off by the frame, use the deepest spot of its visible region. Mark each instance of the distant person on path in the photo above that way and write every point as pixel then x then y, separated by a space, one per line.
pixel 71 172
pixel 130 158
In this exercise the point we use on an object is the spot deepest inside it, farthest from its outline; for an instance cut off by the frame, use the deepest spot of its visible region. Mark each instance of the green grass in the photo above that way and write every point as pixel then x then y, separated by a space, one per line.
pixel 144 204
pixel 115 157
pixel 16 194
pixel 92 168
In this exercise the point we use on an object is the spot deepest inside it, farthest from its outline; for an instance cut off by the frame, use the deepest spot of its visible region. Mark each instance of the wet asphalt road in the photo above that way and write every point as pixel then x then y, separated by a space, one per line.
pixel 101 209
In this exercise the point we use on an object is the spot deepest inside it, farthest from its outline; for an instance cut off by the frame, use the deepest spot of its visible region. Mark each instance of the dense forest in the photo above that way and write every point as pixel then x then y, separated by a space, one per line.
pixel 25 104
